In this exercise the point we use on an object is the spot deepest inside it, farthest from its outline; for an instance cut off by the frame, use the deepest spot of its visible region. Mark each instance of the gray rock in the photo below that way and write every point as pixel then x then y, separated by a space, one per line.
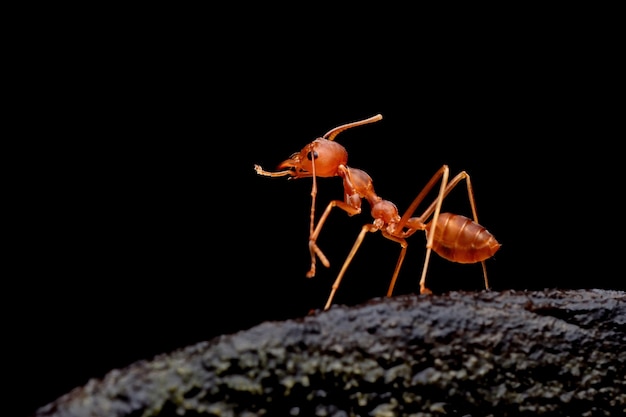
pixel 512 353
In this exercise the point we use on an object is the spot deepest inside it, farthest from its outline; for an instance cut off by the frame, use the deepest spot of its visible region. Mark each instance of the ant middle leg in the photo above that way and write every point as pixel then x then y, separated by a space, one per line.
pixel 357 243
pixel 371 228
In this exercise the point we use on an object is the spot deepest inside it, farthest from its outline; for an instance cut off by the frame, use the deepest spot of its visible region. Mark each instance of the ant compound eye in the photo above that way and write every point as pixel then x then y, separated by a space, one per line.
pixel 315 155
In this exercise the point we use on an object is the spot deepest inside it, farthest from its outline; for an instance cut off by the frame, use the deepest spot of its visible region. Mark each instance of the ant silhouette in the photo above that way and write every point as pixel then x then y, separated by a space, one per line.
pixel 452 236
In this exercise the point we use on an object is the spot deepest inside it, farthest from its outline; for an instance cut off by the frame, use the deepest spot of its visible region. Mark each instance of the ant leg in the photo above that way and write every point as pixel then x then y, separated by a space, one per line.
pixel 351 205
pixel 314 231
pixel 404 245
pixel 419 222
pixel 431 236
pixel 366 228
pixel 313 248
pixel 470 194
pixel 485 275
pixel 436 207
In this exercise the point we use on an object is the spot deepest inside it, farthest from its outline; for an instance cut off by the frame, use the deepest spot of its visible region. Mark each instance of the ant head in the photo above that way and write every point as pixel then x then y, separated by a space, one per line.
pixel 325 154
pixel 321 158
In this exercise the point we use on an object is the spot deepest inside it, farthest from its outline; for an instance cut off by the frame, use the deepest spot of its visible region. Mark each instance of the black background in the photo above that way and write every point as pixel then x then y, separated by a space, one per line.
pixel 144 228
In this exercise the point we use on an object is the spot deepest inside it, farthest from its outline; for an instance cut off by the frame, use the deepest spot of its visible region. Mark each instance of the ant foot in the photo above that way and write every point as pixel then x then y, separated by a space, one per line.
pixel 424 290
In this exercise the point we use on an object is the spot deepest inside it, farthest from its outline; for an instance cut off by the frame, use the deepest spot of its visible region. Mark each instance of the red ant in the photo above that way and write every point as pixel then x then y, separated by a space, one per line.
pixel 455 237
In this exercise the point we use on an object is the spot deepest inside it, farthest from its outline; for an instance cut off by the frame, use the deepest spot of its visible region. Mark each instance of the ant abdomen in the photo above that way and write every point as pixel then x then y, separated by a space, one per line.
pixel 459 239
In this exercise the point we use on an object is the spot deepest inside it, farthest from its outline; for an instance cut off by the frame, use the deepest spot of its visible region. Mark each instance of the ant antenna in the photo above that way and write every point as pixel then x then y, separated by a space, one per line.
pixel 330 135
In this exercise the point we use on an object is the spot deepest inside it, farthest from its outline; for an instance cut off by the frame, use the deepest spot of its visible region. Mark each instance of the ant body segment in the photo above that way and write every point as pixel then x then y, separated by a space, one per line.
pixel 453 237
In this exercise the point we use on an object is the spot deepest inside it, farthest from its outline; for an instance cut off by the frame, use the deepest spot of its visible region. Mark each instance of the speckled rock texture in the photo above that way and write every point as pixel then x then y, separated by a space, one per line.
pixel 511 353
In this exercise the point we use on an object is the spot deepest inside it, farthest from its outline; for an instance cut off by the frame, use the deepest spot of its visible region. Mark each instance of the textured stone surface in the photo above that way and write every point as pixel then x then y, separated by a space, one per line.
pixel 517 353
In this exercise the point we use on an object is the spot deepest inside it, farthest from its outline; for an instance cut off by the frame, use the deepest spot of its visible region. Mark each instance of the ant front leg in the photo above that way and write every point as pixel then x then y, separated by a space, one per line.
pixel 351 205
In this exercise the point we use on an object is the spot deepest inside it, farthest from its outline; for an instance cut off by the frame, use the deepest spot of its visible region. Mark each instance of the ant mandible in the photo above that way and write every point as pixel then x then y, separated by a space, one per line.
pixel 452 236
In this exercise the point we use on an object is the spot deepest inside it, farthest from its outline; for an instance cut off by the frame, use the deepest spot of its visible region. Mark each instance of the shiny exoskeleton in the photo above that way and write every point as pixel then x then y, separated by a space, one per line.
pixel 452 236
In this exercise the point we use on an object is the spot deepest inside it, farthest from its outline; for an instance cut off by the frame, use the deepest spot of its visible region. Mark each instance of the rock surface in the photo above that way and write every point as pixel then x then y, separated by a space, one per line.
pixel 511 353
